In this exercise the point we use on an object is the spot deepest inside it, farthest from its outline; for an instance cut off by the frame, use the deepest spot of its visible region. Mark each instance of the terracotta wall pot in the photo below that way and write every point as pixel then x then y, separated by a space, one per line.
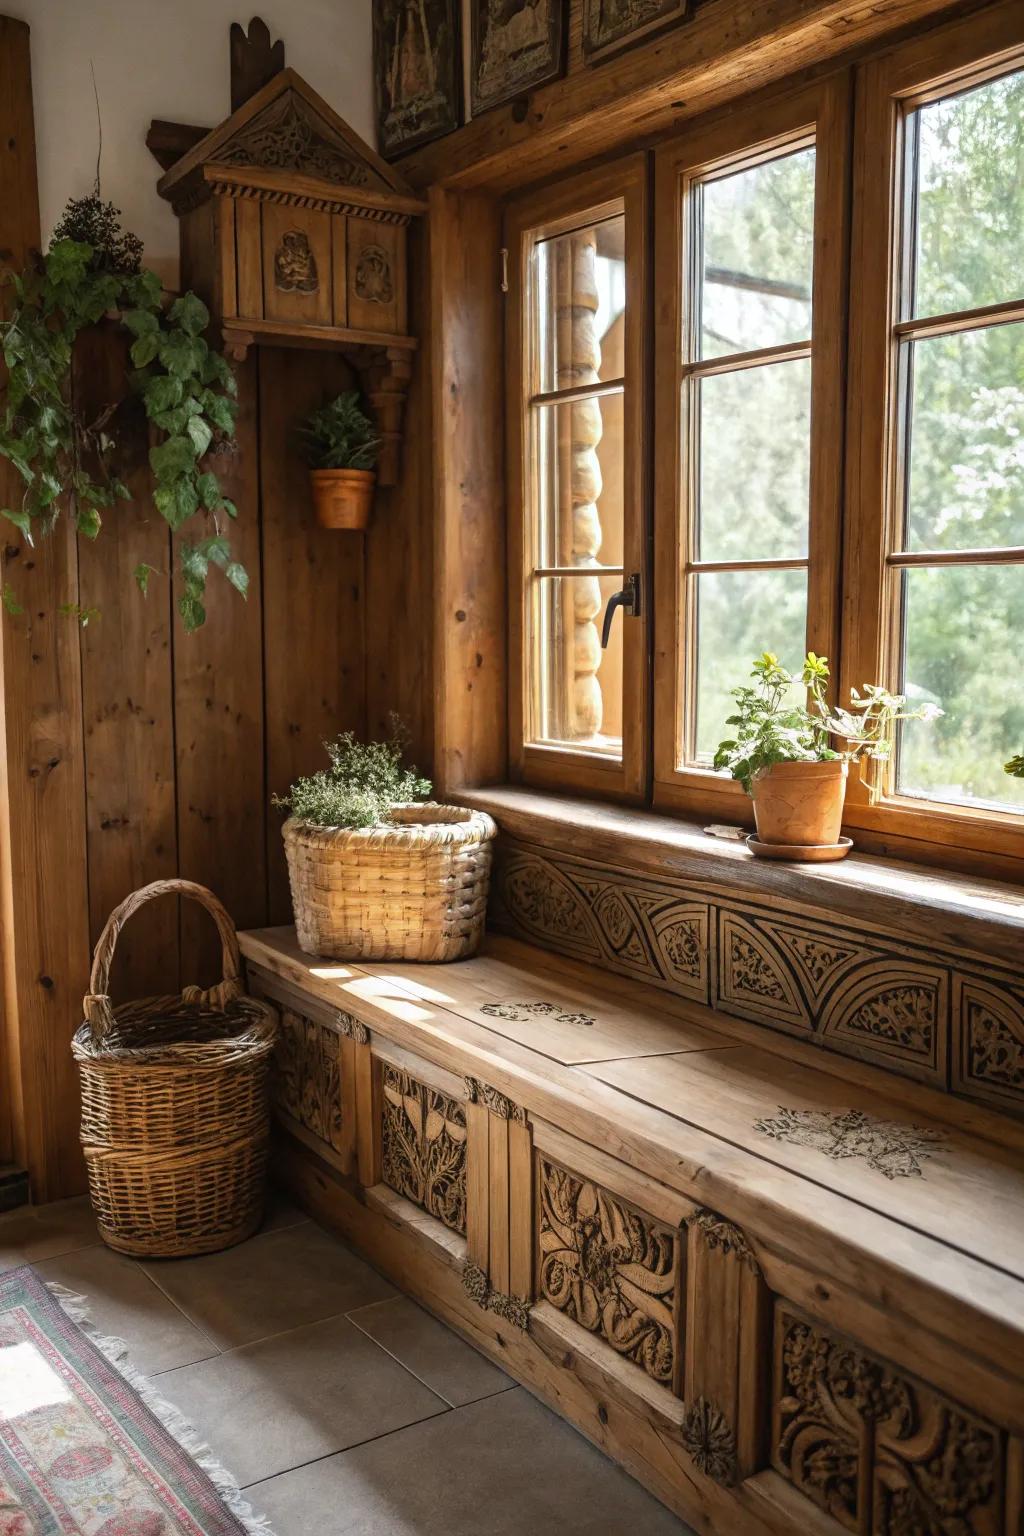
pixel 800 803
pixel 342 498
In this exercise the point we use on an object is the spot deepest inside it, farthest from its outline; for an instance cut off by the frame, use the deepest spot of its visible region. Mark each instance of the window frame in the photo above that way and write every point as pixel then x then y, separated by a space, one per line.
pixel 911 75
pixel 620 186
pixel 819 112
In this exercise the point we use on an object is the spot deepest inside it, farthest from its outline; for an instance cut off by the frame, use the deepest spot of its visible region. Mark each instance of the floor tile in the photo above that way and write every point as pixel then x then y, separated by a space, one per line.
pixel 449 1366
pixel 281 1213
pixel 123 1301
pixel 298 1396
pixel 501 1467
pixel 36 1232
pixel 277 1281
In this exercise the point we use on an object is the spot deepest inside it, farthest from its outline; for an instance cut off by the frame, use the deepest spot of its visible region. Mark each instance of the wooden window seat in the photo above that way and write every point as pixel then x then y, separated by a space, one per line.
pixel 784 1290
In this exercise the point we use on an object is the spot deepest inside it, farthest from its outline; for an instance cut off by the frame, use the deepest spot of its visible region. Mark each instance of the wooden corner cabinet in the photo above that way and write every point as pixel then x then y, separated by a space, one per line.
pixel 295 233
pixel 790 1301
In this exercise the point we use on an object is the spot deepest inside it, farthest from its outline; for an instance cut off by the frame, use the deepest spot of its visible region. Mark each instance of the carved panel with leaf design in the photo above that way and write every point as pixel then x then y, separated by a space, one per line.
pixel 610 1268
pixel 423 1146
pixel 923 1012
pixel 881 1452
pixel 307 1077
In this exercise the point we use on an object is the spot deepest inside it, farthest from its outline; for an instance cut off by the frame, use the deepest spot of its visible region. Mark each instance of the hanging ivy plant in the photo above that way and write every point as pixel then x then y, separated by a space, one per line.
pixel 68 463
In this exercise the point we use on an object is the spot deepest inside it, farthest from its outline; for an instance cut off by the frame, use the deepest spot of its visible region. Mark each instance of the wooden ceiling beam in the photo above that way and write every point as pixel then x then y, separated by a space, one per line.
pixel 729 48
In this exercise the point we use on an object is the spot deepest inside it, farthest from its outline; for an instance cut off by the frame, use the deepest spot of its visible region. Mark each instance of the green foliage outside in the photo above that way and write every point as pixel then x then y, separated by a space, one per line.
pixel 340 435
pixel 362 786
pixel 966 475
pixel 67 463
pixel 770 728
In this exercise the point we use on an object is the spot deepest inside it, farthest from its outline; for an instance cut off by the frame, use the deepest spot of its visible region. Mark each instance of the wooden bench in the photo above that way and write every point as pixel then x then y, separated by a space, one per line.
pixel 786 1292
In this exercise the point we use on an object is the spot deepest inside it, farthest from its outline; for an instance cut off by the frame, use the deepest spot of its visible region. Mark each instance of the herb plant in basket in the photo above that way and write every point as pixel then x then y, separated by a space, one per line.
pixel 782 753
pixel 377 871
pixel 340 443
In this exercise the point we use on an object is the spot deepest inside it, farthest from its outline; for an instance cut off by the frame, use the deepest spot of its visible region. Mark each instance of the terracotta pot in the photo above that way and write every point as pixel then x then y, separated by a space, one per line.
pixel 800 803
pixel 342 498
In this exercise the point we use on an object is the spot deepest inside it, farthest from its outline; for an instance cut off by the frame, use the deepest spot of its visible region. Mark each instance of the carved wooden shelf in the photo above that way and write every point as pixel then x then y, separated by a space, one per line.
pixel 295 232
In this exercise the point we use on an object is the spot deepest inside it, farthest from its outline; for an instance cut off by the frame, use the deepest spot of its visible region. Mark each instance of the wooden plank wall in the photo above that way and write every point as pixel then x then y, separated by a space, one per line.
pixel 150 752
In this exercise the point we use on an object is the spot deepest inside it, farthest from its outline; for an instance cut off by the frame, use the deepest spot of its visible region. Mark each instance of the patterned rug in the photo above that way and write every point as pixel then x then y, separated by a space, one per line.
pixel 86 1447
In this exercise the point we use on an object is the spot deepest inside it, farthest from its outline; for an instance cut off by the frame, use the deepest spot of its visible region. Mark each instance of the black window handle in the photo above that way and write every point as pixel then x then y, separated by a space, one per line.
pixel 628 599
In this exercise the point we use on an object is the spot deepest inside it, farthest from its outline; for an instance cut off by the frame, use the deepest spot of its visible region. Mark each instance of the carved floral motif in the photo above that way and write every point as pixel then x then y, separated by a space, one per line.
pixel 295 264
pixel 903 1016
pixel 992 1027
pixel 423 1152
pixel 848 1425
pixel 609 1268
pixel 514 1309
pixel 894 1150
pixel 498 1104
pixel 523 1013
pixel 284 137
pixel 719 1233
pixel 307 1079
pixel 708 1436
pixel 752 972
pixel 374 283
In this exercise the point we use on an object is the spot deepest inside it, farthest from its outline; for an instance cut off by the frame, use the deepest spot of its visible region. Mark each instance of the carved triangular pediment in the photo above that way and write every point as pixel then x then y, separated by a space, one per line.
pixel 285 127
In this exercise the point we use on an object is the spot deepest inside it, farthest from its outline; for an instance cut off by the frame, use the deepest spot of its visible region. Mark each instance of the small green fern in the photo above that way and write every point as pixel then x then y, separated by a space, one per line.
pixel 339 435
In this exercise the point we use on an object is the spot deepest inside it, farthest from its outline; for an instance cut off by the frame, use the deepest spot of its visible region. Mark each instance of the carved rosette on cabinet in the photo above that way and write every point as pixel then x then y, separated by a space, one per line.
pixel 295 233
pixel 610 1268
pixel 881 1452
pixel 904 1006
pixel 423 1146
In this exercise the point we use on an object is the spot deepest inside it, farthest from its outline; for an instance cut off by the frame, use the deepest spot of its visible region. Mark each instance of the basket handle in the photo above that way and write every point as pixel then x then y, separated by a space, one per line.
pixel 96 1003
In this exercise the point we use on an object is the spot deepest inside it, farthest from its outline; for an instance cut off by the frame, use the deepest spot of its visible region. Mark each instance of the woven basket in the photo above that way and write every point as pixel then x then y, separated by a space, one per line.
pixel 175 1115
pixel 414 890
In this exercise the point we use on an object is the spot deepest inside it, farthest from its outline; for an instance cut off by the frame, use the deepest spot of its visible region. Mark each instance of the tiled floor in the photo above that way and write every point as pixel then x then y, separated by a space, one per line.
pixel 341 1406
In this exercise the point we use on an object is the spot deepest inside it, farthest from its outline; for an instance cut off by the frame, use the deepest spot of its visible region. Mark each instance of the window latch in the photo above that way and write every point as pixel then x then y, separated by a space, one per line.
pixel 628 599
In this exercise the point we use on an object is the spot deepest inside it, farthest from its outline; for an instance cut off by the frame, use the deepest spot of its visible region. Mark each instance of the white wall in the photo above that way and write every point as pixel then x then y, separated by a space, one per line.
pixel 167 59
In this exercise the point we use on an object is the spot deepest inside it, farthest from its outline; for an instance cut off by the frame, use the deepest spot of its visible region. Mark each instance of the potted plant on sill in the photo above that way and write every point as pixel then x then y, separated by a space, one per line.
pixel 782 754
pixel 340 445
pixel 377 872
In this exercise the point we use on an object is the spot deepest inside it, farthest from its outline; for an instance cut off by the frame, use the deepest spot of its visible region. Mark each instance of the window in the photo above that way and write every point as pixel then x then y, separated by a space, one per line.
pixel 836 448
pixel 936 510
pixel 747 389
pixel 576 456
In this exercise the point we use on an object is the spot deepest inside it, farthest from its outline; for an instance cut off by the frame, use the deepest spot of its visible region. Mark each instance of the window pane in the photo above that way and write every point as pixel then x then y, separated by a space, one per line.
pixel 755 433
pixel 575 686
pixel 757 258
pixel 970 198
pixel 965 485
pixel 578 482
pixel 739 615
pixel 962 628
pixel 579 303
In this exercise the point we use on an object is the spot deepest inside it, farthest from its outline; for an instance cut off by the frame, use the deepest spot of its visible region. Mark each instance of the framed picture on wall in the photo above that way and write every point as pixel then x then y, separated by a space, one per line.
pixel 515 45
pixel 612 25
pixel 417 68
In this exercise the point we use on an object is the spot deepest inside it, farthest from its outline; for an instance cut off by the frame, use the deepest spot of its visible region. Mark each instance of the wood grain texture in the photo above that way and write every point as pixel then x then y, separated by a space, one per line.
pixel 127 709
pixel 312 586
pixel 44 914
pixel 219 721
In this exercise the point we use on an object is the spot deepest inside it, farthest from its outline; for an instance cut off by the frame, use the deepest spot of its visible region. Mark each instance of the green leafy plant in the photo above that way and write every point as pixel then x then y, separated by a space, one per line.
pixel 1015 767
pixel 66 460
pixel 774 726
pixel 362 786
pixel 339 435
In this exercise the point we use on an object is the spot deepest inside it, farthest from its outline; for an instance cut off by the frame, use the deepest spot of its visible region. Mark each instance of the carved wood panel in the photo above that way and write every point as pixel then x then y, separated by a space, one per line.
pixel 423 1146
pixel 610 1268
pixel 882 1453
pixel 895 1003
pixel 307 1077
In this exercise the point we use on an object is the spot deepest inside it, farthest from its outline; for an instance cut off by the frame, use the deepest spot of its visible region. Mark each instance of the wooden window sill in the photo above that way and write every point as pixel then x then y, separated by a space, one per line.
pixel 939 907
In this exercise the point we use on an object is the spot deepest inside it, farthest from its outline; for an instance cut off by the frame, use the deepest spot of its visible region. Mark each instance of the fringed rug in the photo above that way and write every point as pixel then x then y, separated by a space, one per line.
pixel 87 1448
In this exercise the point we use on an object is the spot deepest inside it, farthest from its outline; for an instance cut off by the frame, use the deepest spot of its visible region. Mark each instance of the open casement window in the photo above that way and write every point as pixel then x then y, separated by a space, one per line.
pixel 936 484
pixel 749 284
pixel 578 605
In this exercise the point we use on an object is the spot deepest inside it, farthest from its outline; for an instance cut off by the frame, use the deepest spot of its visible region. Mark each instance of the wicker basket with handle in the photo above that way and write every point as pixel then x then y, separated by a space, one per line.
pixel 175 1115
pixel 413 890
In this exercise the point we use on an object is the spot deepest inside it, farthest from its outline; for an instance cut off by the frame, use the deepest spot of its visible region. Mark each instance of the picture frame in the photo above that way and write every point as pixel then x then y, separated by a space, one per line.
pixel 417 72
pixel 611 26
pixel 515 45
